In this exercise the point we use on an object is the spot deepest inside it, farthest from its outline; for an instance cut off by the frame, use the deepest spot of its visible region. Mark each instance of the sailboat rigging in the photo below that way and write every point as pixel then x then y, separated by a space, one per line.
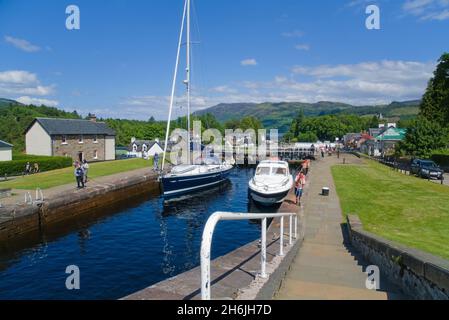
pixel 189 177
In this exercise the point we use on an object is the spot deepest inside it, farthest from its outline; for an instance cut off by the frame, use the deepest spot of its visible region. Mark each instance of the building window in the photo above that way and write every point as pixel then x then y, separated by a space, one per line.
pixel 134 148
pixel 81 139
pixel 95 139
pixel 144 148
pixel 95 154
pixel 64 139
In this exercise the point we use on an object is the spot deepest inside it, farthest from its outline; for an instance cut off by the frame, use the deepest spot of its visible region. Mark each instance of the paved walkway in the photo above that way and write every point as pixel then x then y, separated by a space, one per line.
pixel 326 266
pixel 50 193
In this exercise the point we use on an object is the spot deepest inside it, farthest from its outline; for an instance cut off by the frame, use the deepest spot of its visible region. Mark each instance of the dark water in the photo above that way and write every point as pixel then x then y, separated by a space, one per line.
pixel 124 249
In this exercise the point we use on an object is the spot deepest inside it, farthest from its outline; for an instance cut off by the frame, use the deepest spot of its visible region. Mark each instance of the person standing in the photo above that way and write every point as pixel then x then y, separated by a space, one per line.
pixel 156 162
pixel 85 168
pixel 300 181
pixel 27 168
pixel 79 175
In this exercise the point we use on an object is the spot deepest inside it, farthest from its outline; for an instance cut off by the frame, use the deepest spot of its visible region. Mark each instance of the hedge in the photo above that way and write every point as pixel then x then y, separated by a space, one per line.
pixel 17 167
pixel 441 159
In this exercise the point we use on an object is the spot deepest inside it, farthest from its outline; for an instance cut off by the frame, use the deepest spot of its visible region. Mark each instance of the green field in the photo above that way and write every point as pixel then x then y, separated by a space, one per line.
pixel 65 176
pixel 401 208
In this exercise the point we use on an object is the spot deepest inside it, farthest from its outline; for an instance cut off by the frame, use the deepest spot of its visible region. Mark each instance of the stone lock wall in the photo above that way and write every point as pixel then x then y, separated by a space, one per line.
pixel 72 147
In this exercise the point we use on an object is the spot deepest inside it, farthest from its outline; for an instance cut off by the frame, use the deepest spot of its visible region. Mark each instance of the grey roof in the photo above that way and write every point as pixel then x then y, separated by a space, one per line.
pixel 73 126
pixel 4 144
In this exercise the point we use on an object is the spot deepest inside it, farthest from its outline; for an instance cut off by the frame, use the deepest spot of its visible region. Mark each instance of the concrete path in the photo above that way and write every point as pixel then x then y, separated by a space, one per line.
pixel 326 266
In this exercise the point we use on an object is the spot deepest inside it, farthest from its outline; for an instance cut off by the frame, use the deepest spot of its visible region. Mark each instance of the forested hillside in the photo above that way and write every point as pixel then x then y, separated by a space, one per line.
pixel 280 115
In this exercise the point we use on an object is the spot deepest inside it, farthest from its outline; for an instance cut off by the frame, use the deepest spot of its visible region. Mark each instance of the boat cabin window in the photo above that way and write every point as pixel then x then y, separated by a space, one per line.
pixel 280 171
pixel 263 171
pixel 276 171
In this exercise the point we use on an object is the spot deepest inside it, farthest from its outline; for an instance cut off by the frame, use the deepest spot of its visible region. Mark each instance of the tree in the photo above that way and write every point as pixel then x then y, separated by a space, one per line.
pixel 423 136
pixel 307 137
pixel 435 102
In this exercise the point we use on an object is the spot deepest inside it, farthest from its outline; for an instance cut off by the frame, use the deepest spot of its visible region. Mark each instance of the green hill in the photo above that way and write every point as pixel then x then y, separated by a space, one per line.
pixel 280 115
pixel 16 117
pixel 7 102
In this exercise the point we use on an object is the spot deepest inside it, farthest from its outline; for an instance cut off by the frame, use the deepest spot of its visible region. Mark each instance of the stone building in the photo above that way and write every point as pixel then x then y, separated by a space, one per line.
pixel 78 139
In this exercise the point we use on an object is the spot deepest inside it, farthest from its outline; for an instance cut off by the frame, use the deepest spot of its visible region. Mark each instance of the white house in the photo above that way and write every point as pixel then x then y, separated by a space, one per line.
pixel 144 148
pixel 5 151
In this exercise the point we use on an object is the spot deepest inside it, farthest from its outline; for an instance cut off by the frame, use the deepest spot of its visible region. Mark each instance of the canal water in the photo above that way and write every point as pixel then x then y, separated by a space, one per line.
pixel 123 249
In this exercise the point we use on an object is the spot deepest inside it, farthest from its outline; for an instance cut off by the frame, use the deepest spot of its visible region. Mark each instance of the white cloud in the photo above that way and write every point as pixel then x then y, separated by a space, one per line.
pixel 365 83
pixel 248 62
pixel 22 44
pixel 427 9
pixel 16 82
pixel 223 89
pixel 37 101
pixel 302 47
pixel 293 34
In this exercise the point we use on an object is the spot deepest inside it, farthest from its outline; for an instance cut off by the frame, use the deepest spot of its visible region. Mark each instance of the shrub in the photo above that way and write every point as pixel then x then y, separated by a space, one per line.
pixel 17 167
pixel 441 159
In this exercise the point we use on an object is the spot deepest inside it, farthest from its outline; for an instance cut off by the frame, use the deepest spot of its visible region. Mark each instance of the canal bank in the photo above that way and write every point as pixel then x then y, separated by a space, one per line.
pixel 18 218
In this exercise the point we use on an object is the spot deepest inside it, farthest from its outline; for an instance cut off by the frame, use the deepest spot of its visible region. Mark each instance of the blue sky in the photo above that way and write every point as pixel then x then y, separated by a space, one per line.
pixel 120 63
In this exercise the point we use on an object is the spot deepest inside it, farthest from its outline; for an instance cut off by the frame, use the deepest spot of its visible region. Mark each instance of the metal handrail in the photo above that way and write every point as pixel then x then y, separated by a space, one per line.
pixel 208 232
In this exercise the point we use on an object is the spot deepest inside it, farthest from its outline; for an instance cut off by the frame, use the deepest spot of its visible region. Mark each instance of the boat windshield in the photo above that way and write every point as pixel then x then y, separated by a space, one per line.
pixel 279 171
pixel 274 171
pixel 263 171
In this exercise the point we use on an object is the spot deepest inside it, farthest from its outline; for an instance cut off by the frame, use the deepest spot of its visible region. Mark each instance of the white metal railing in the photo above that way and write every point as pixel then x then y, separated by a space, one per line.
pixel 28 198
pixel 39 196
pixel 208 232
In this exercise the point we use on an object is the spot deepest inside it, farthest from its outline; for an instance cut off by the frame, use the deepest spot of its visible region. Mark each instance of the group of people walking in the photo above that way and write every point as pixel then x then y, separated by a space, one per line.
pixel 30 169
pixel 300 180
pixel 81 173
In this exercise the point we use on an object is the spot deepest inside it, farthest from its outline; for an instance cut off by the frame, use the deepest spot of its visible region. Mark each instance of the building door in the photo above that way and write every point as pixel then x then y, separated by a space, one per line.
pixel 80 156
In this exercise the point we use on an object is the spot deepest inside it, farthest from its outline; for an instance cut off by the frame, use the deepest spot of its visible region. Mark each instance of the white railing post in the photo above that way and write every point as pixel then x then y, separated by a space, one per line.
pixel 208 232
pixel 263 251
pixel 296 227
pixel 281 238
pixel 290 232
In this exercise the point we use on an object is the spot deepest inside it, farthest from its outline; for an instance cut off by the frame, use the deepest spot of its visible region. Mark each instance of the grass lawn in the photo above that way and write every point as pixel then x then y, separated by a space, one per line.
pixel 64 176
pixel 401 208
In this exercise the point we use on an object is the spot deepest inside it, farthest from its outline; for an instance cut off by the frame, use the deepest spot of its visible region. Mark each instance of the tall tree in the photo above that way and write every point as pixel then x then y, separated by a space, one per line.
pixel 435 103
pixel 423 136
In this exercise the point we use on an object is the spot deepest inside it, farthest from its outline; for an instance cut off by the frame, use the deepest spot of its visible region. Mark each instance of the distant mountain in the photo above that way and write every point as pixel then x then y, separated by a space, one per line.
pixel 8 102
pixel 280 115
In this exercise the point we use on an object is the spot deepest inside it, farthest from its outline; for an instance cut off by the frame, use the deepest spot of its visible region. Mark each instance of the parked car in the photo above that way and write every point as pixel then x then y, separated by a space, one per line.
pixel 426 169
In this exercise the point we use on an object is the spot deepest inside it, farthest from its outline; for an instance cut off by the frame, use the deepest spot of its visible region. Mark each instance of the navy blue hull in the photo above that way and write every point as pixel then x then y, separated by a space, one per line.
pixel 176 186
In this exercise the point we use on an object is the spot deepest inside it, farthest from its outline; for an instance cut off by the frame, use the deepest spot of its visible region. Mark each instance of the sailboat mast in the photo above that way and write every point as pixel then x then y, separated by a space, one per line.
pixel 172 97
pixel 188 82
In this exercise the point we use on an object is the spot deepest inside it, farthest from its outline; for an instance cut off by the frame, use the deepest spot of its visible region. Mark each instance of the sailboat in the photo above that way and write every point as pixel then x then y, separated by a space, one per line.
pixel 190 177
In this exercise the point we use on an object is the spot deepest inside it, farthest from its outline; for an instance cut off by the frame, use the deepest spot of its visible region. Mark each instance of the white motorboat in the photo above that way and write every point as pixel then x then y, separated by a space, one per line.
pixel 271 183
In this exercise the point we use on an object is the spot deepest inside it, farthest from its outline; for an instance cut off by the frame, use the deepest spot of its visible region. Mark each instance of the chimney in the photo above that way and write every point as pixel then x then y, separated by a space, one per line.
pixel 92 117
pixel 133 139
